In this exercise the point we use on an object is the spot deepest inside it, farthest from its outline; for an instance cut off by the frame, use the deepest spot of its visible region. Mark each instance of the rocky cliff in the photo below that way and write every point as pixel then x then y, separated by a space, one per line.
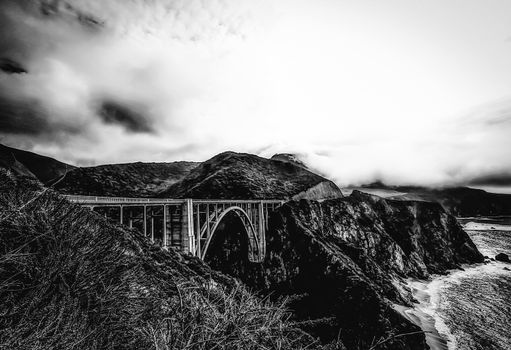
pixel 323 190
pixel 341 263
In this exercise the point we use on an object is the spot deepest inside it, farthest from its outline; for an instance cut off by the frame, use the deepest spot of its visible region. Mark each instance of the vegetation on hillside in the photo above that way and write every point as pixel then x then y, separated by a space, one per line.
pixel 71 280
pixel 124 180
pixel 35 166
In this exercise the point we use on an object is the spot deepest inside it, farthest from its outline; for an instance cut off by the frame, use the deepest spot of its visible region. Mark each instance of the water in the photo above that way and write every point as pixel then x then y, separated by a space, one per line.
pixel 471 309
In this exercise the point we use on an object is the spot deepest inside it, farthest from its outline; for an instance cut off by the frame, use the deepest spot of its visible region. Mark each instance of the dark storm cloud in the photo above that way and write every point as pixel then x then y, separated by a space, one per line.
pixel 132 120
pixel 11 67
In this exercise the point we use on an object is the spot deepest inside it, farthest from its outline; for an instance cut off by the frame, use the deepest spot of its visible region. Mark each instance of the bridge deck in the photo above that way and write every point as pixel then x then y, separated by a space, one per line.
pixel 97 200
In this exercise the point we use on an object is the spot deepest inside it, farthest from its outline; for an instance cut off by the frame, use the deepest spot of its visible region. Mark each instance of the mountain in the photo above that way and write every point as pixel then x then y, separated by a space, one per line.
pixel 70 279
pixel 459 201
pixel 246 176
pixel 464 201
pixel 124 180
pixel 44 169
pixel 227 175
pixel 342 263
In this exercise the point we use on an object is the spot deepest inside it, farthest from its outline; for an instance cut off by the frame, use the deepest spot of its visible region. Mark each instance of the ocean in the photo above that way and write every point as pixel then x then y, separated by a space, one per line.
pixel 470 309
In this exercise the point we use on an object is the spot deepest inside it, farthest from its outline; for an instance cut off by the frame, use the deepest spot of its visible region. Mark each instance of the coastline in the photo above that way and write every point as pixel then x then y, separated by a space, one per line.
pixel 423 314
pixel 429 293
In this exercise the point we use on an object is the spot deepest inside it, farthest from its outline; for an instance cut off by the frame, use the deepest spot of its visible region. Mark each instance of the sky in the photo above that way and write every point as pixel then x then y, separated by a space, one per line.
pixel 402 91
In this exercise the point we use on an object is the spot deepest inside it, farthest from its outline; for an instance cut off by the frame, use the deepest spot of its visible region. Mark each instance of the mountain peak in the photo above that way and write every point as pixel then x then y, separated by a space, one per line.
pixel 247 176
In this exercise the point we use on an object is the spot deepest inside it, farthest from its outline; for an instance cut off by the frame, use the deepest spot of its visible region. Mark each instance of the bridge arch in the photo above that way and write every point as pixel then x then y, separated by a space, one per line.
pixel 253 241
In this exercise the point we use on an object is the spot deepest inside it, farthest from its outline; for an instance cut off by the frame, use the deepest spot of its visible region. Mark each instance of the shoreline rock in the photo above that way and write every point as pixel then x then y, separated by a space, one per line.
pixel 502 257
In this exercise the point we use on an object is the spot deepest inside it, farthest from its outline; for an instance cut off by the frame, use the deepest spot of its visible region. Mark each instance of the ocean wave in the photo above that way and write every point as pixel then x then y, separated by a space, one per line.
pixel 485 226
pixel 450 306
pixel 468 309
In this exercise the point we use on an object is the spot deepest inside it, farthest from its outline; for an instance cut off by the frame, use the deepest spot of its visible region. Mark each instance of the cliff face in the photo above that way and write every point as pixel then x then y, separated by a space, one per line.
pixel 244 176
pixel 341 261
pixel 323 190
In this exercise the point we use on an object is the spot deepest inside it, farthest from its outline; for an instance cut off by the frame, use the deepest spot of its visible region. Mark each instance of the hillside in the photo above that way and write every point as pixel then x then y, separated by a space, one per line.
pixel 459 201
pixel 124 180
pixel 241 175
pixel 44 169
pixel 227 175
pixel 69 279
pixel 464 201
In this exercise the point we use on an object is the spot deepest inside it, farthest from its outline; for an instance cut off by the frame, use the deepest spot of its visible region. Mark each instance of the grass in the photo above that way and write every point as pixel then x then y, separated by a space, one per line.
pixel 71 280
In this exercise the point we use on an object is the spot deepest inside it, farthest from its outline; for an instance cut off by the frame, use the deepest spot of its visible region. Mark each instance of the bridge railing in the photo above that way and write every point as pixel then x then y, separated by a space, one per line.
pixel 127 200
pixel 120 200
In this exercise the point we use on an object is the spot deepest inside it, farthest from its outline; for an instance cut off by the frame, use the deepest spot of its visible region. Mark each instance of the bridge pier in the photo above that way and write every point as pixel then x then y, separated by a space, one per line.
pixel 165 246
pixel 187 230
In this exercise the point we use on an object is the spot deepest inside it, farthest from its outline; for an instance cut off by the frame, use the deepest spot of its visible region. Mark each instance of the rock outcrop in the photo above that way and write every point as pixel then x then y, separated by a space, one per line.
pixel 289 158
pixel 502 257
pixel 324 190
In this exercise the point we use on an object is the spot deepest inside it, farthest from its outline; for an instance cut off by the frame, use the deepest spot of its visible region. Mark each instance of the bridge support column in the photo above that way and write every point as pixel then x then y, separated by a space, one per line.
pixel 164 226
pixel 262 231
pixel 152 224
pixel 145 220
pixel 187 236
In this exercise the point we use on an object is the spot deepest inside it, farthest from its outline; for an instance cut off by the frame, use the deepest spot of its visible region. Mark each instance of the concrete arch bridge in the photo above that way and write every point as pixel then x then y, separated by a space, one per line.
pixel 186 224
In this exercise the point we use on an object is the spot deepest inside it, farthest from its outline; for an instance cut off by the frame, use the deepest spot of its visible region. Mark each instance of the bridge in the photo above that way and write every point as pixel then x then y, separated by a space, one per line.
pixel 186 224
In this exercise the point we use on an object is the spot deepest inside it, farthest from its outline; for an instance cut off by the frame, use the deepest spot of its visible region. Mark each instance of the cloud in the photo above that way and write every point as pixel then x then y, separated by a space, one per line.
pixel 115 113
pixel 11 67
pixel 99 73
pixel 26 118
pixel 340 83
